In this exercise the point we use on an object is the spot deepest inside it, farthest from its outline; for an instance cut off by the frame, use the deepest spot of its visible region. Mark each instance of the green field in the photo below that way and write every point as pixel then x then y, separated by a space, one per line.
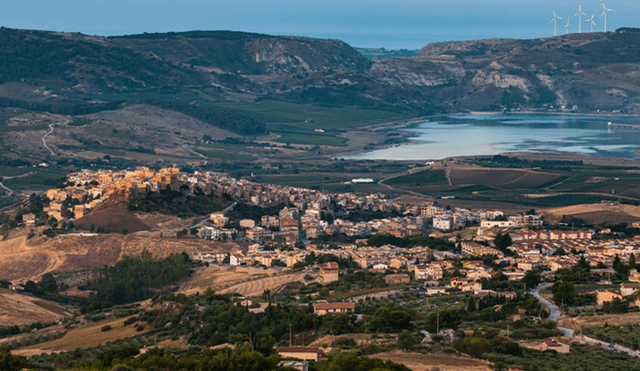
pixel 423 178
pixel 310 139
pixel 226 156
pixel 302 116
pixel 303 181
pixel 310 117
pixel 41 180
pixel 13 171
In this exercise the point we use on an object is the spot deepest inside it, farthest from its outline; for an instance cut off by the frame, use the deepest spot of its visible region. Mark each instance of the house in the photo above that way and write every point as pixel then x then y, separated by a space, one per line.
pixel 219 219
pixel 435 291
pixel 397 278
pixel 247 223
pixel 552 344
pixel 321 309
pixel 29 219
pixel 329 273
pixel 236 259
pixel 478 274
pixel 627 288
pixel 442 223
pixel 607 295
pixel 471 287
pixel 303 353
pixel 380 267
pixel 634 275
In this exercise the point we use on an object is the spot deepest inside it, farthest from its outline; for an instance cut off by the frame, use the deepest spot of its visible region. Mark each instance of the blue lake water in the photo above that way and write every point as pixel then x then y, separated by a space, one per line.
pixel 471 135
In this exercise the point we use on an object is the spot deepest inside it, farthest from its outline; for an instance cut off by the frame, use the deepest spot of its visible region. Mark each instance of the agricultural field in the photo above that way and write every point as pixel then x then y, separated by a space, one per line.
pixel 428 362
pixel 88 336
pixel 246 281
pixel 307 180
pixel 533 187
pixel 19 309
pixel 418 179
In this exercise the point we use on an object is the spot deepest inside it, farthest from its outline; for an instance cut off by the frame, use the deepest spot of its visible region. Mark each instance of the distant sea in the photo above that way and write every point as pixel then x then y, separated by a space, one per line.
pixel 472 135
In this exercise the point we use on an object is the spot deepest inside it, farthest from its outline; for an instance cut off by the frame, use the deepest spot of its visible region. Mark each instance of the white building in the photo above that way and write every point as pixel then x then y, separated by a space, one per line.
pixel 443 223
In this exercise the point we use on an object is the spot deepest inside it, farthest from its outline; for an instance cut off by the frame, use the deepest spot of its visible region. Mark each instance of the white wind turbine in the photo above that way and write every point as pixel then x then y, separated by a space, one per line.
pixel 567 26
pixel 555 22
pixel 591 20
pixel 579 14
pixel 604 13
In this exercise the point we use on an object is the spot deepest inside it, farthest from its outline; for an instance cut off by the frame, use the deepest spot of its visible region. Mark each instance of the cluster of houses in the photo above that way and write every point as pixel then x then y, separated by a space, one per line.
pixel 304 218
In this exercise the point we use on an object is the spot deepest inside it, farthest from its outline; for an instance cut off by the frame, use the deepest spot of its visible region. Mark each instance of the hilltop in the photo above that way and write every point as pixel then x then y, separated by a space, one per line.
pixel 573 69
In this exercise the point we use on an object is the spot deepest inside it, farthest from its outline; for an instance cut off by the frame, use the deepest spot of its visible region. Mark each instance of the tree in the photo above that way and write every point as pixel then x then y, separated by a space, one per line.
pixel 564 293
pixel 616 306
pixel 9 362
pixel 407 340
pixel 632 261
pixel 531 279
pixel 502 242
pixel 471 304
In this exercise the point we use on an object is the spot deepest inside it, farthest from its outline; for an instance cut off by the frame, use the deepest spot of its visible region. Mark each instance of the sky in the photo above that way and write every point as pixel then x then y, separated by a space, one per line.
pixel 392 24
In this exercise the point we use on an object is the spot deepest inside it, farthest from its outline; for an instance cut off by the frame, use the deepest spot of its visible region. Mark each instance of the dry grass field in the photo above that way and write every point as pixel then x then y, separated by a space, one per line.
pixel 612 319
pixel 19 309
pixel 83 337
pixel 257 287
pixel 427 362
pixel 24 259
pixel 596 213
pixel 243 281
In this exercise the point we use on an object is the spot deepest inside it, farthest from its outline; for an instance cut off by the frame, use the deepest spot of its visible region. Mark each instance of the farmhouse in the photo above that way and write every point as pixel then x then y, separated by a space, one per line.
pixel 304 353
pixel 332 308
pixel 607 295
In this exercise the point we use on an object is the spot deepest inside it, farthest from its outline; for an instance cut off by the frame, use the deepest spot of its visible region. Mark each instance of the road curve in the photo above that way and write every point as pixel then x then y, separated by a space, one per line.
pixel 9 191
pixel 554 314
pixel 45 136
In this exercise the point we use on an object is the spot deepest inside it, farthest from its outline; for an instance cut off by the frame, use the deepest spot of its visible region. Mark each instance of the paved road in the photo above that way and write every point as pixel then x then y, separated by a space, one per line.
pixel 9 191
pixel 45 136
pixel 554 314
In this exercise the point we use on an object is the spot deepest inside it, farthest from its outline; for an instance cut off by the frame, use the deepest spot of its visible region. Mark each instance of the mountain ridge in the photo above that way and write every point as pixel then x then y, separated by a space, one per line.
pixel 586 72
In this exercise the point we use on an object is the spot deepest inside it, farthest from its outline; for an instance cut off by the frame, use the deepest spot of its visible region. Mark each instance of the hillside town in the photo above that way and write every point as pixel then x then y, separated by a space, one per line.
pixel 302 221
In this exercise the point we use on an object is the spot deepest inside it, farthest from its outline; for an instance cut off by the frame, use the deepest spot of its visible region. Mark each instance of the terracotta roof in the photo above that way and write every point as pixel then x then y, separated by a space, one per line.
pixel 329 306
pixel 298 350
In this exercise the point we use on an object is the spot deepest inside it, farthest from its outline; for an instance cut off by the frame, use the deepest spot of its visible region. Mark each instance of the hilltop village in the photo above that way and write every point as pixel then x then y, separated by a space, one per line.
pixel 305 219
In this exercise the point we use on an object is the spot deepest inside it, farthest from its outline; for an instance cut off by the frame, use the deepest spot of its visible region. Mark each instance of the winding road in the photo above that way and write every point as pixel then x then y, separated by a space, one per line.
pixel 9 191
pixel 555 313
pixel 45 136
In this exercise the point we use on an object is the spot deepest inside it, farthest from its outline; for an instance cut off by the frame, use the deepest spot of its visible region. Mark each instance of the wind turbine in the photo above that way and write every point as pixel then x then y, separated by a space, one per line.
pixel 567 25
pixel 591 20
pixel 555 22
pixel 604 13
pixel 579 14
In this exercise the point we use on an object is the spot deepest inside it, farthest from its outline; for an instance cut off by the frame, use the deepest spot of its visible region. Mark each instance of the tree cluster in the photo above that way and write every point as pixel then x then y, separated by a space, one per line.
pixel 135 279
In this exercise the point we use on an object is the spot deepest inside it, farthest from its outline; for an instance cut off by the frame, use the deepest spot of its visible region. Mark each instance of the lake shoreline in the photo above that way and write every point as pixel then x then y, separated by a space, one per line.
pixel 582 141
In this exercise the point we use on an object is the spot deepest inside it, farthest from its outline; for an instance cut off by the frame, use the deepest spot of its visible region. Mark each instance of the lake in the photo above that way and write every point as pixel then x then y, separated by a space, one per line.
pixel 472 135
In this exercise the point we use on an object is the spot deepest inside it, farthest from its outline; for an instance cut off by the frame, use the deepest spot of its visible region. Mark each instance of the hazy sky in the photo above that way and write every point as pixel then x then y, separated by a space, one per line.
pixel 370 23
